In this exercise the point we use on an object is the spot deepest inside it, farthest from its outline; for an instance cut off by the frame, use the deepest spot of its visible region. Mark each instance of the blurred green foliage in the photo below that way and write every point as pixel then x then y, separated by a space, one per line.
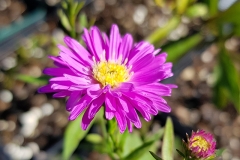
pixel 221 26
pixel 72 19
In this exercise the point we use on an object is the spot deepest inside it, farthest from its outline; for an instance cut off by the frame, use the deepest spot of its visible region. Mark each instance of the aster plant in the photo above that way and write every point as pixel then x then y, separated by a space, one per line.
pixel 200 146
pixel 112 72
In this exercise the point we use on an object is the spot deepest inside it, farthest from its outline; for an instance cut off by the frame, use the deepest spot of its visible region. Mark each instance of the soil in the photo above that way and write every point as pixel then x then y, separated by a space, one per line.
pixel 31 123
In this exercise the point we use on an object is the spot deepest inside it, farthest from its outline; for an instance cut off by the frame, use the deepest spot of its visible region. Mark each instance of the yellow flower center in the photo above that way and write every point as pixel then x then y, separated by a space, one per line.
pixel 201 143
pixel 110 73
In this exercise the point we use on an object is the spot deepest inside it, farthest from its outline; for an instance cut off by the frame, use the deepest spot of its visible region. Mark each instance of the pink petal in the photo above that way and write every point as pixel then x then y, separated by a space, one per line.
pixel 73 99
pixel 57 71
pixel 77 109
pixel 125 46
pixel 124 87
pixel 77 80
pixel 109 114
pixel 90 44
pixel 114 42
pixel 74 64
pixel 129 125
pixel 46 89
pixel 62 94
pixel 143 62
pixel 86 120
pixel 110 102
pixel 80 52
pixel 95 106
pixel 140 51
pixel 156 51
pixel 121 120
pixel 97 40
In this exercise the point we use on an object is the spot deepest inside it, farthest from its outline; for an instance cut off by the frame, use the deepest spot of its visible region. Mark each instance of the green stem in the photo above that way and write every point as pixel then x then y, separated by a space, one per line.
pixel 72 18
pixel 112 138
pixel 103 127
pixel 115 146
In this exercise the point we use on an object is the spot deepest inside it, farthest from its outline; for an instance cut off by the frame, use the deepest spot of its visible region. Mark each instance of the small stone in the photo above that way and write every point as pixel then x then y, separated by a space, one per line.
pixel 226 155
pixel 140 14
pixel 99 5
pixel 34 147
pixel 3 125
pixel 47 109
pixel 6 96
pixel 37 52
pixel 194 116
pixel 37 112
pixel 18 139
pixel 217 130
pixel 9 63
pixel 111 2
pixel 236 131
pixel 224 117
pixel 234 143
pixel 202 75
pixel 188 74
pixel 11 126
pixel 207 56
pixel 183 114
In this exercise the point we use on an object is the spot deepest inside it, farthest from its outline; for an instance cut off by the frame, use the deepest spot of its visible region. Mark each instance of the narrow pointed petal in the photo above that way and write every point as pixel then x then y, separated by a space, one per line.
pixel 77 109
pixel 96 105
pixel 114 42
pixel 97 40
pixel 121 120
pixel 73 99
pixel 126 46
pixel 79 51
pixel 86 120
pixel 62 94
pixel 57 71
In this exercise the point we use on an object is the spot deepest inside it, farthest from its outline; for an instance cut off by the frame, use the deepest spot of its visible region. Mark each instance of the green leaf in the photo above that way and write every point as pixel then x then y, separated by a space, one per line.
pixel 156 136
pixel 83 20
pixel 182 6
pixel 230 14
pixel 197 10
pixel 177 49
pixel 227 17
pixel 73 136
pixel 94 138
pixel 33 80
pixel 168 141
pixel 138 152
pixel 122 140
pixel 64 20
pixel 229 78
pixel 179 152
pixel 163 32
pixel 219 152
pixel 79 6
pixel 213 7
pixel 155 156
pixel 132 141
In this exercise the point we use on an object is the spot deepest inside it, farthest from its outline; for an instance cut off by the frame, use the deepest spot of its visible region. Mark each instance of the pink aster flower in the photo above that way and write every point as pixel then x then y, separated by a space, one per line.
pixel 112 72
pixel 202 144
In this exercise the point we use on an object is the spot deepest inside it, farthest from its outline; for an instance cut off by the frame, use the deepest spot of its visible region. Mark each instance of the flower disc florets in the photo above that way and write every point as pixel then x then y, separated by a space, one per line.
pixel 110 73
pixel 202 144
pixel 113 72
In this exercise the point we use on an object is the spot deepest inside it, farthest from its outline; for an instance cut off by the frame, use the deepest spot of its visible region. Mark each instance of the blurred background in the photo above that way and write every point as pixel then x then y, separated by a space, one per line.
pixel 202 38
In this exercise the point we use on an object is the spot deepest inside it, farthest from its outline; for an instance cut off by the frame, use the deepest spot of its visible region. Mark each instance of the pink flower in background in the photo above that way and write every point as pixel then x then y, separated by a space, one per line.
pixel 111 71
pixel 202 144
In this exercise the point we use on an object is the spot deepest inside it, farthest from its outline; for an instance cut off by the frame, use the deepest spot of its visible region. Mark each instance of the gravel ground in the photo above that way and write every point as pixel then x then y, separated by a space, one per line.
pixel 31 123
